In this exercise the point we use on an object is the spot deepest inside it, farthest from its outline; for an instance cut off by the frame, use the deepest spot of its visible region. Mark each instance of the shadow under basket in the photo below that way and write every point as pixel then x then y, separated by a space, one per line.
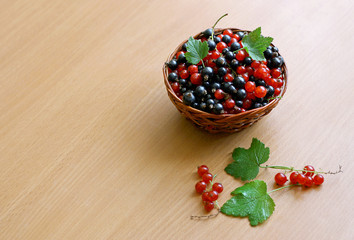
pixel 214 123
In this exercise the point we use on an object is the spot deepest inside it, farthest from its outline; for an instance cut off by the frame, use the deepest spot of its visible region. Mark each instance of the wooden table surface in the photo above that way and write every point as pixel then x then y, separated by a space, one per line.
pixel 92 147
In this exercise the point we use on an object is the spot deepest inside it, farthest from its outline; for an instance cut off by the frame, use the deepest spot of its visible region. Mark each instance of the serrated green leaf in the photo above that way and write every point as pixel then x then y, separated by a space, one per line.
pixel 196 50
pixel 250 200
pixel 246 161
pixel 255 44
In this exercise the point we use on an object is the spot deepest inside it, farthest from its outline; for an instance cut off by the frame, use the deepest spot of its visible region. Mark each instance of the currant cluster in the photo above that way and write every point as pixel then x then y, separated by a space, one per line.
pixel 306 178
pixel 228 80
pixel 209 196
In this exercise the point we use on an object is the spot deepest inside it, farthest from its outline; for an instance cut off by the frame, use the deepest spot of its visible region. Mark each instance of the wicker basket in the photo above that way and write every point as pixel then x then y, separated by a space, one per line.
pixel 214 123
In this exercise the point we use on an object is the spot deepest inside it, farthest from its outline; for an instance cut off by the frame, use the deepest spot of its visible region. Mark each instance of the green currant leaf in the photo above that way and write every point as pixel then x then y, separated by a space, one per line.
pixel 247 161
pixel 255 44
pixel 250 200
pixel 196 50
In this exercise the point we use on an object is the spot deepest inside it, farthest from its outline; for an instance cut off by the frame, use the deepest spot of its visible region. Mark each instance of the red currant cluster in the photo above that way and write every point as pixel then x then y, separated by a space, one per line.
pixel 306 178
pixel 209 196
pixel 228 80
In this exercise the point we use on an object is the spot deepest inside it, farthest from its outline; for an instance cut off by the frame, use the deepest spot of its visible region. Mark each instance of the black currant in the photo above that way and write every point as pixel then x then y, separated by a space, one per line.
pixel 220 62
pixel 275 49
pixel 225 50
pixel 181 58
pixel 195 105
pixel 218 108
pixel 226 39
pixel 251 78
pixel 239 82
pixel 202 106
pixel 188 98
pixel 211 45
pixel 239 103
pixel 208 32
pixel 267 53
pixel 235 46
pixel 206 84
pixel 183 90
pixel 210 104
pixel 240 34
pixel 215 86
pixel 217 40
pixel 184 47
pixel 207 73
pixel 172 64
pixel 200 91
pixel 241 94
pixel 270 91
pixel 258 105
pixel 172 77
pixel 276 62
pixel 222 71
pixel 218 79
pixel 225 86
pixel 234 64
pixel 260 82
pixel 247 61
pixel 231 89
pixel 259 100
pixel 230 55
pixel 182 81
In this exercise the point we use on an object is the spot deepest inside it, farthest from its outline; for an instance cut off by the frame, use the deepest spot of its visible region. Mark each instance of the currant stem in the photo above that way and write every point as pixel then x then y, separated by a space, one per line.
pixel 301 170
pixel 212 35
pixel 203 63
pixel 277 189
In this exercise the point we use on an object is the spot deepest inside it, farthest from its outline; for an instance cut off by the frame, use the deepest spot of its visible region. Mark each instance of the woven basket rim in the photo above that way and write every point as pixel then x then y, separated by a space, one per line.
pixel 219 116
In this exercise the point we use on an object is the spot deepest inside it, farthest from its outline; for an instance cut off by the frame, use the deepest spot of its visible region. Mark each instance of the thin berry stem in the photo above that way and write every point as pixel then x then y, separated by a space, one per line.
pixel 212 35
pixel 277 189
pixel 203 63
pixel 301 170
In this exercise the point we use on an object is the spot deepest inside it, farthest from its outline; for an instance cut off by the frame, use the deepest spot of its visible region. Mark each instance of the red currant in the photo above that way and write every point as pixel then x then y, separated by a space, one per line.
pixel 208 206
pixel 192 69
pixel 218 187
pixel 196 78
pixel 247 104
pixel 249 70
pixel 207 177
pixel 301 178
pixel 308 181
pixel 202 170
pixel 250 86
pixel 180 52
pixel 181 67
pixel 175 87
pixel 215 54
pixel 293 177
pixel 232 41
pixel 219 94
pixel 205 196
pixel 228 32
pixel 220 46
pixel 280 178
pixel 280 83
pixel 260 91
pixel 228 77
pixel 309 168
pixel 241 69
pixel 245 76
pixel 200 186
pixel 241 55
pixel 318 179
pixel 230 103
pixel 255 64
pixel 277 91
pixel 184 74
pixel 276 72
pixel 237 37
pixel 213 195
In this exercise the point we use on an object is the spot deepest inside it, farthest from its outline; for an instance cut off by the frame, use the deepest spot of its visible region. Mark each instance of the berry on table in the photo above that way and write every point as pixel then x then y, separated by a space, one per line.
pixel 308 168
pixel 207 177
pixel 280 179
pixel 202 170
pixel 308 181
pixel 208 206
pixel 293 177
pixel 213 195
pixel 318 179
pixel 218 187
pixel 200 186
pixel 301 178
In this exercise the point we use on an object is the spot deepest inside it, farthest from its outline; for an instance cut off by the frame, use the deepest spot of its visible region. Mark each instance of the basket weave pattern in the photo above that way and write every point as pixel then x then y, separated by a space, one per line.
pixel 214 123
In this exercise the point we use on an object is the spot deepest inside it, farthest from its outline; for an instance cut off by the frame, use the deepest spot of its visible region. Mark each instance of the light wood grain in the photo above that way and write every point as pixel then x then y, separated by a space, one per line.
pixel 91 147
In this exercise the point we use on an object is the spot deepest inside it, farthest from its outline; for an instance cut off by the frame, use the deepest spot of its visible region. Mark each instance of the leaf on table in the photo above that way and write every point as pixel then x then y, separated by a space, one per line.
pixel 250 200
pixel 247 161
pixel 196 50
pixel 255 44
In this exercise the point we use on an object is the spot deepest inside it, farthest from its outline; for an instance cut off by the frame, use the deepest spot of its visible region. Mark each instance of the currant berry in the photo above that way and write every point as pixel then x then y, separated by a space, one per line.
pixel 172 64
pixel 196 78
pixel 175 87
pixel 218 187
pixel 218 108
pixel 205 196
pixel 241 55
pixel 239 82
pixel 226 39
pixel 208 32
pixel 293 177
pixel 235 46
pixel 211 45
pixel 220 62
pixel 207 177
pixel 260 91
pixel 220 46
pixel 200 186
pixel 184 74
pixel 241 69
pixel 215 55
pixel 276 72
pixel 228 32
pixel 255 64
pixel 213 195
pixel 250 86
pixel 192 69
pixel 309 168
pixel 172 77
pixel 208 206
pixel 308 181
pixel 280 179
pixel 318 179
pixel 228 77
pixel 241 94
pixel 230 103
pixel 301 178
pixel 202 170
pixel 219 94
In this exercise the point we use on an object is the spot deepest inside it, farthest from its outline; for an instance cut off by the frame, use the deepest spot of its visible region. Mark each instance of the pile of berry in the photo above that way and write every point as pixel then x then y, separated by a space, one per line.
pixel 230 81
pixel 306 178
pixel 209 196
